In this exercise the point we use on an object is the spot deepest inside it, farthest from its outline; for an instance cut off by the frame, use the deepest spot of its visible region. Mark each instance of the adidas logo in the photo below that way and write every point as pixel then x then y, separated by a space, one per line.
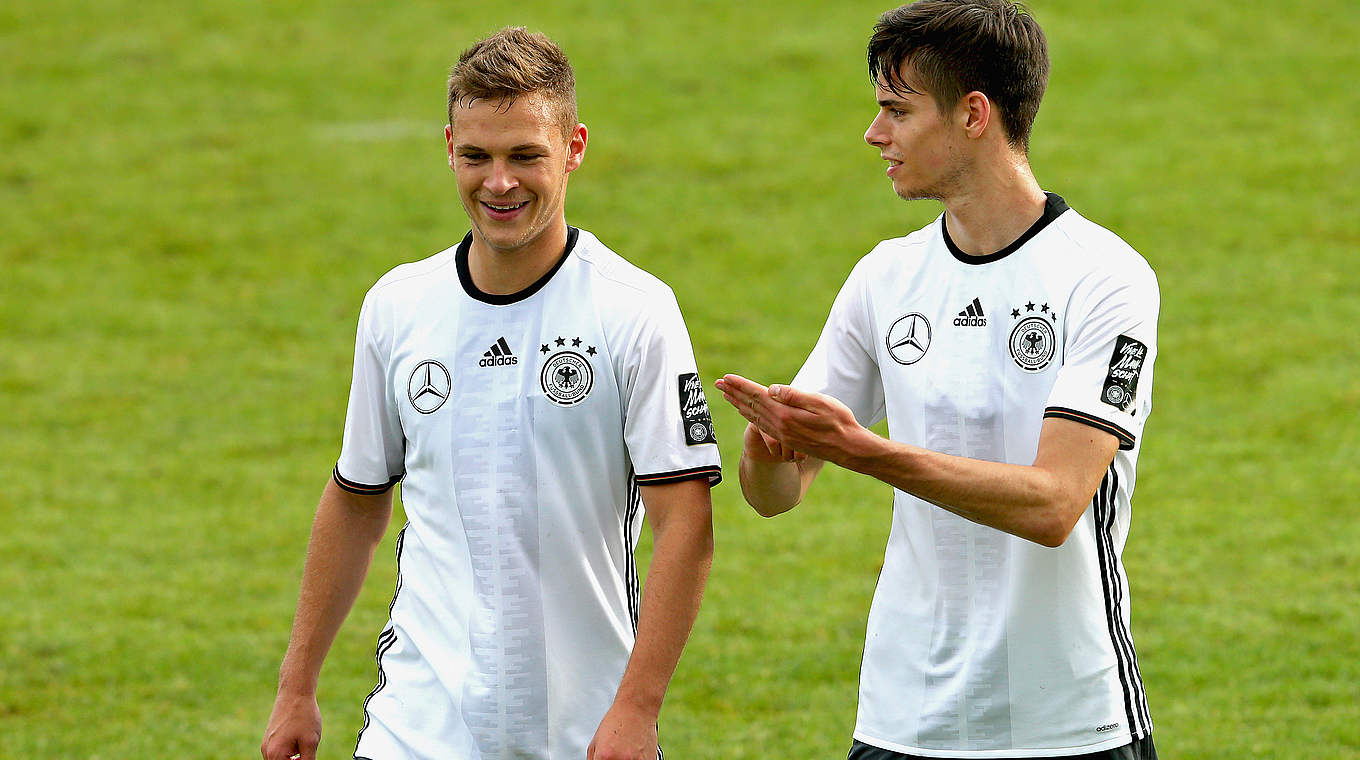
pixel 971 316
pixel 499 355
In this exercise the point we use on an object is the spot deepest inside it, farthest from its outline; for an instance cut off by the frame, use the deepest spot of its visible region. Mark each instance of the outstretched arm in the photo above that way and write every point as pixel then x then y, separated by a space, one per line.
pixel 1040 502
pixel 681 516
pixel 345 533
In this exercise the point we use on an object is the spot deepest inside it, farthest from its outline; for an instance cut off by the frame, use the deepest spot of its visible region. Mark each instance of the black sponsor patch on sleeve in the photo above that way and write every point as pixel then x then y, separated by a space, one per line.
pixel 694 411
pixel 1121 383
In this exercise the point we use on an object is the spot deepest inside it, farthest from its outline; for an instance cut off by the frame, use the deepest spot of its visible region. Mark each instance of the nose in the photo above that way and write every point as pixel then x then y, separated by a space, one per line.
pixel 501 180
pixel 876 135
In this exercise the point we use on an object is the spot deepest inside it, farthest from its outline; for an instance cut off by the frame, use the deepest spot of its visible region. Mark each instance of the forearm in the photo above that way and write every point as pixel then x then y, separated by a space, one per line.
pixel 681 557
pixel 773 479
pixel 345 532
pixel 1025 501
pixel 773 488
pixel 1041 502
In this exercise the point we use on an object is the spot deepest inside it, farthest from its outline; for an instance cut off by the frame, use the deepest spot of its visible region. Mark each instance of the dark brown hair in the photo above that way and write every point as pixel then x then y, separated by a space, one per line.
pixel 954 47
pixel 511 63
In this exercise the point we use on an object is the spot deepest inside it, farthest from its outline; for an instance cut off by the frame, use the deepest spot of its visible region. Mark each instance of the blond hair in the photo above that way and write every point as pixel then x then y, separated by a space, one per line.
pixel 511 63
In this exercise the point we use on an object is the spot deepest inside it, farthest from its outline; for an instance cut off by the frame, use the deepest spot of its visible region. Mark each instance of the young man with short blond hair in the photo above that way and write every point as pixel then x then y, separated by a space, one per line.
pixel 532 390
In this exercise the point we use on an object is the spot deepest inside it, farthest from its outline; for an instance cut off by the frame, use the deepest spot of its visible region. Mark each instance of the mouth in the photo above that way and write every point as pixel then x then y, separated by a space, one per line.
pixel 502 211
pixel 892 164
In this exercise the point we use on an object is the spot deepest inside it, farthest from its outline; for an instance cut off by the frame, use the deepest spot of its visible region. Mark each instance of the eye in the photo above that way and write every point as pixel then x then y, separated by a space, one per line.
pixel 525 157
pixel 472 158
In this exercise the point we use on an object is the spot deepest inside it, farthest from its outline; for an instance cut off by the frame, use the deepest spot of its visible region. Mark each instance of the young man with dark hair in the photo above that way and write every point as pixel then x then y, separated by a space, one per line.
pixel 1010 346
pixel 533 390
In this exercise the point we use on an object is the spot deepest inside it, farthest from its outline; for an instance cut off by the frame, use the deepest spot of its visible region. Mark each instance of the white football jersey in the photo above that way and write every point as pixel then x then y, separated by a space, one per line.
pixel 980 643
pixel 521 426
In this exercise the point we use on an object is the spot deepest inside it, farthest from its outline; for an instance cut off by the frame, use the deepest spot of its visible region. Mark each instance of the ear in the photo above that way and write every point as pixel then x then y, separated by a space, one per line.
pixel 974 114
pixel 448 141
pixel 576 148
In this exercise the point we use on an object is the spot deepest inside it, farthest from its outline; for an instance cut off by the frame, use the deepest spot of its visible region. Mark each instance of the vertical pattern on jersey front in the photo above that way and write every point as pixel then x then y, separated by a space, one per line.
pixel 505 696
pixel 972 716
pixel 385 641
pixel 1135 699
pixel 630 571
pixel 961 420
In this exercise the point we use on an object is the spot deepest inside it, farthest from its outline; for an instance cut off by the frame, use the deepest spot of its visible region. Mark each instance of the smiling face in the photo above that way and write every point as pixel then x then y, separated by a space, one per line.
pixel 921 144
pixel 511 161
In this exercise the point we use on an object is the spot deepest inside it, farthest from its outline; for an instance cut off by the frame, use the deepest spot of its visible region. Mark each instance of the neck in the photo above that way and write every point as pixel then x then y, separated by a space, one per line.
pixel 504 271
pixel 1000 202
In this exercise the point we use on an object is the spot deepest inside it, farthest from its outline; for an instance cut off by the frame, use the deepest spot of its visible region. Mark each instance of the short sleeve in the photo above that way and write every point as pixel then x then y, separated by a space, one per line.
pixel 1106 377
pixel 844 362
pixel 667 425
pixel 373 451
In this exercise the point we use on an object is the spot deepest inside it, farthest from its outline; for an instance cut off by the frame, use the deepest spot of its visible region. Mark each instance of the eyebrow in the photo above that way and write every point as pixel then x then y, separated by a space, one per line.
pixel 522 148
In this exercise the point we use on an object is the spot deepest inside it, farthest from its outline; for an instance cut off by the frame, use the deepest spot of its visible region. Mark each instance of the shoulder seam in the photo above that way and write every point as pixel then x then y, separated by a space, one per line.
pixel 383 282
pixel 598 268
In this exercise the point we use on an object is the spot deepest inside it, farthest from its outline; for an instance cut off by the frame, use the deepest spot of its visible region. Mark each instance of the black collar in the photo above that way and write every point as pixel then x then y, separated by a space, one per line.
pixel 465 275
pixel 1053 208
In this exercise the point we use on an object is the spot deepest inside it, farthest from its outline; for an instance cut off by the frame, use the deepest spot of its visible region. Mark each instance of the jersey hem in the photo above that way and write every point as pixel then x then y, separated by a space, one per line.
pixel 1086 749
pixel 362 488
pixel 1126 439
pixel 713 473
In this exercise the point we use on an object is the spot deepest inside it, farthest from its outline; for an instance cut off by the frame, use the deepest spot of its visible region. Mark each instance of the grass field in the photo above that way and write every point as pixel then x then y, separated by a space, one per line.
pixel 194 198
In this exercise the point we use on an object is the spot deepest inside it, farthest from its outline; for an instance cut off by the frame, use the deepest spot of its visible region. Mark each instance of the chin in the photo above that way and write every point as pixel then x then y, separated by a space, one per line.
pixel 505 243
pixel 497 239
pixel 918 194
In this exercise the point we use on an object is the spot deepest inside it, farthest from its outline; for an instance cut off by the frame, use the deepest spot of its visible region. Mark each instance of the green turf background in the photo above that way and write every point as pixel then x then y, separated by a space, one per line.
pixel 194 198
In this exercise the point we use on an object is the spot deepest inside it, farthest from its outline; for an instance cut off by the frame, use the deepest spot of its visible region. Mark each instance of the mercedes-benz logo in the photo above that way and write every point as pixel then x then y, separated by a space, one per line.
pixel 909 338
pixel 429 386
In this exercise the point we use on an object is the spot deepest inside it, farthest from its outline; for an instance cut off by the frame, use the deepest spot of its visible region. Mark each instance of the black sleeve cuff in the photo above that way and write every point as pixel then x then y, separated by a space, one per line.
pixel 712 472
pixel 1126 439
pixel 363 488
